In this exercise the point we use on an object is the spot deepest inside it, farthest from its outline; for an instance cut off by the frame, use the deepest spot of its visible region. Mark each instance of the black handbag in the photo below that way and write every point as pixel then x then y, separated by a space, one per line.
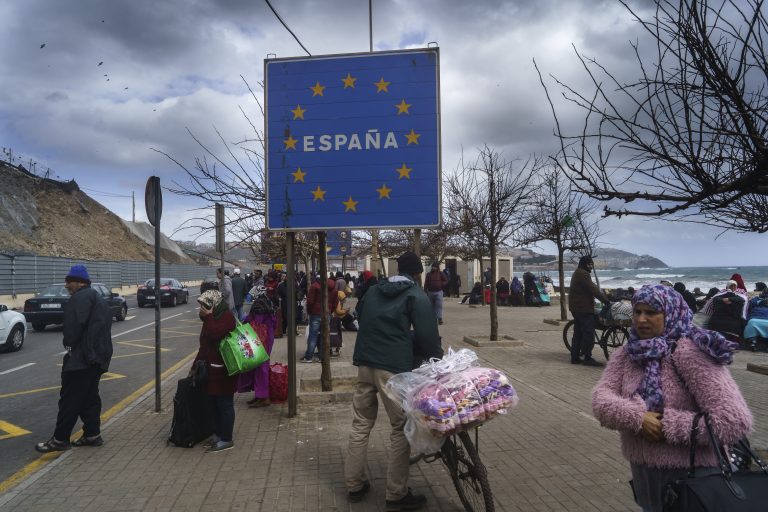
pixel 725 491
pixel 199 373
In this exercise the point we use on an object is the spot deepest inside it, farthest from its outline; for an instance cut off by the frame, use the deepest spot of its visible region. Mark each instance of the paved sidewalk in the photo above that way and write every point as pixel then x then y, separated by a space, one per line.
pixel 548 454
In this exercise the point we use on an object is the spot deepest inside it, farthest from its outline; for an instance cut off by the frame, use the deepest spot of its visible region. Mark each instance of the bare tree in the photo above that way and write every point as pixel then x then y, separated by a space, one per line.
pixel 687 139
pixel 559 215
pixel 236 182
pixel 489 196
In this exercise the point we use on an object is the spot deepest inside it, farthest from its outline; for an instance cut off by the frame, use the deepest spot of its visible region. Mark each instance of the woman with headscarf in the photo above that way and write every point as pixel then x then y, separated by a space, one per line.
pixel 740 286
pixel 263 319
pixel 655 385
pixel 516 296
pixel 218 321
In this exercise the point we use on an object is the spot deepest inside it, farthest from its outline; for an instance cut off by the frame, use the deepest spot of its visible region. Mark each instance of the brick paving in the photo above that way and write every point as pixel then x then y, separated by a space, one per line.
pixel 548 454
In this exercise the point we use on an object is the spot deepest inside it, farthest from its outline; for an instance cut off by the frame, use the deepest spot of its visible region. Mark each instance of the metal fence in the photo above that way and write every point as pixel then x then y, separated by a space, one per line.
pixel 29 274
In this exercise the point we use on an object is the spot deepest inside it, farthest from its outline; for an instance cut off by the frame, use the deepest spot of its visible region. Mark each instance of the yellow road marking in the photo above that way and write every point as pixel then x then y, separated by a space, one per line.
pixel 105 377
pixel 12 430
pixel 36 464
pixel 151 347
pixel 153 339
pixel 180 332
pixel 140 353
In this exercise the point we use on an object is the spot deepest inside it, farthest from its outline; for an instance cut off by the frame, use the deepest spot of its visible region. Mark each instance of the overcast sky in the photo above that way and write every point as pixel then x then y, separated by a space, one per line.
pixel 117 78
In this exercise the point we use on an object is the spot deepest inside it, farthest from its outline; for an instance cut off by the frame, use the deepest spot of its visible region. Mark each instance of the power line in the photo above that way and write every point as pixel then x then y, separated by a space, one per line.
pixel 99 192
pixel 286 27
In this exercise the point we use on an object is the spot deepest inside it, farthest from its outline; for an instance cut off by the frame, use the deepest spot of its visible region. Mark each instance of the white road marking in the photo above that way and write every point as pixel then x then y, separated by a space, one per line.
pixel 17 368
pixel 145 325
pixel 130 317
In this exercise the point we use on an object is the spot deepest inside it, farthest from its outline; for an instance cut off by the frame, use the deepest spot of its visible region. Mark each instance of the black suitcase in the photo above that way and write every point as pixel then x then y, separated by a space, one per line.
pixel 335 334
pixel 192 417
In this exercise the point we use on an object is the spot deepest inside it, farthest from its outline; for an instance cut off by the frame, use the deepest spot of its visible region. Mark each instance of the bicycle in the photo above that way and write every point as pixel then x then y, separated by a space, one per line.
pixel 613 333
pixel 466 469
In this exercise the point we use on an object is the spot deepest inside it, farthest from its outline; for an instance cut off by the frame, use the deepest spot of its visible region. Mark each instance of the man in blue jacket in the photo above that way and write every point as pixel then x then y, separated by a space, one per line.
pixel 385 346
pixel 88 341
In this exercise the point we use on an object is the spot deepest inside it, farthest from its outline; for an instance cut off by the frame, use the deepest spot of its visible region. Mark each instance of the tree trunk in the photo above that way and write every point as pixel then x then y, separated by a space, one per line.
pixel 561 277
pixel 326 380
pixel 494 310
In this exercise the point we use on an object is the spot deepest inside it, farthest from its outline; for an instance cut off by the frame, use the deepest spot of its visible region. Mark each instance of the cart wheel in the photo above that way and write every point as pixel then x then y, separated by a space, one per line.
pixel 613 337
pixel 568 334
pixel 468 473
pixel 569 330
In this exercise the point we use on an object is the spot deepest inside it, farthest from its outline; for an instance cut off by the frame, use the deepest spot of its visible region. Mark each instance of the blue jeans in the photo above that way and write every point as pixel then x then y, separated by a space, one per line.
pixel 312 336
pixel 239 312
pixel 223 408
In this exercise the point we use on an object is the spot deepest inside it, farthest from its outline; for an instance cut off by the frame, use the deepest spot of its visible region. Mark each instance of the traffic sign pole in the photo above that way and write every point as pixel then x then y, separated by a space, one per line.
pixel 153 203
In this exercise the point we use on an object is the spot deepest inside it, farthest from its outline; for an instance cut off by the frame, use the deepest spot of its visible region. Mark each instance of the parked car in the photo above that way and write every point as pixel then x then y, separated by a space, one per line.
pixel 172 292
pixel 209 283
pixel 13 329
pixel 47 307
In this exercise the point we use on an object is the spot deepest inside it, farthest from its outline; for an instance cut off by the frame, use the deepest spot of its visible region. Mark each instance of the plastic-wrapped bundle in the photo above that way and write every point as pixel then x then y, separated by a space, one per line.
pixel 496 393
pixel 444 396
pixel 469 405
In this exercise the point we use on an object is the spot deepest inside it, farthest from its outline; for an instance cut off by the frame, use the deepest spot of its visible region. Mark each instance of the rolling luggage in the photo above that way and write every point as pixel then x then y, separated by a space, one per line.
pixel 335 335
pixel 192 418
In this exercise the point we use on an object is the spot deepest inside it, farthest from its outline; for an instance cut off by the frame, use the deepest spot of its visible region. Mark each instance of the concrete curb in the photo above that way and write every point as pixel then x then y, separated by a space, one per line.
pixel 758 368
pixel 483 342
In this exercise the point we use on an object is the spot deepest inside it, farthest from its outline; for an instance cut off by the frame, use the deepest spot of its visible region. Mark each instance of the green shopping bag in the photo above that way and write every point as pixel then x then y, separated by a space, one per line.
pixel 242 350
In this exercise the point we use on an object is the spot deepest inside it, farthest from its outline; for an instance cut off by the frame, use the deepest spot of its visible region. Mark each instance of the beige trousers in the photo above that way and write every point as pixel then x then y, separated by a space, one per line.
pixel 365 406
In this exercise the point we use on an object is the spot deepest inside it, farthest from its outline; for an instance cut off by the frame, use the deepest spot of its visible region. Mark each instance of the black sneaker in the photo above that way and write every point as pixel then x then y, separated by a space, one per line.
pixel 53 445
pixel 577 361
pixel 408 502
pixel 591 362
pixel 89 441
pixel 357 496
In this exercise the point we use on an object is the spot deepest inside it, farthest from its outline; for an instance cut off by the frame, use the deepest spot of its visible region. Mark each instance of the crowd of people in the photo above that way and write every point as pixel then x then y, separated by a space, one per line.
pixel 654 391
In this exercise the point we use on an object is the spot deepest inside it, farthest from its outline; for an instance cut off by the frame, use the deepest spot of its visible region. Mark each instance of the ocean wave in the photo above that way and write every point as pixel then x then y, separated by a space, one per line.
pixel 658 276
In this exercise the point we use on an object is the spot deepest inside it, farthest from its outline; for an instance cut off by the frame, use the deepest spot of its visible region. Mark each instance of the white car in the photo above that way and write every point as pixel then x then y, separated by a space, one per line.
pixel 13 329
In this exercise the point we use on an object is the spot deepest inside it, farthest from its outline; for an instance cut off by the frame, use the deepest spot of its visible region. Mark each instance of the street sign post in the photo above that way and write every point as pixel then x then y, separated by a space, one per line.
pixel 153 202
pixel 353 141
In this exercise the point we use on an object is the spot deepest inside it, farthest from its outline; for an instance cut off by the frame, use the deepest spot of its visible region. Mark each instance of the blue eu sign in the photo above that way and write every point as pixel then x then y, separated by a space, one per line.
pixel 338 243
pixel 353 141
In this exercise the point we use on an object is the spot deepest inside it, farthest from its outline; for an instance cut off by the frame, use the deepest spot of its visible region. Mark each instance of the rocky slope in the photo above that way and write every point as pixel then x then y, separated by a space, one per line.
pixel 604 258
pixel 52 218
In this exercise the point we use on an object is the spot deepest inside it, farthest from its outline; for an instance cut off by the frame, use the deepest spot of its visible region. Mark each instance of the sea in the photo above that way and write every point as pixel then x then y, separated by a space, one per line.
pixel 693 277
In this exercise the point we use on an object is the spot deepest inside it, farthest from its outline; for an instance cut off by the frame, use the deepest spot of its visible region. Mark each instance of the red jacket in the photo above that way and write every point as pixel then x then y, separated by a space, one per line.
pixel 435 281
pixel 313 298
pixel 214 330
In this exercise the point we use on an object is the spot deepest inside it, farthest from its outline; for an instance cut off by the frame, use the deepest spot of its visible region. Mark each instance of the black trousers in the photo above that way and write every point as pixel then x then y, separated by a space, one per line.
pixel 583 335
pixel 79 398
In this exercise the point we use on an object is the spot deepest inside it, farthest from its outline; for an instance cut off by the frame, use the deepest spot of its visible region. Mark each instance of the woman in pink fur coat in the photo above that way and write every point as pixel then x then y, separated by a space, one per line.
pixel 653 387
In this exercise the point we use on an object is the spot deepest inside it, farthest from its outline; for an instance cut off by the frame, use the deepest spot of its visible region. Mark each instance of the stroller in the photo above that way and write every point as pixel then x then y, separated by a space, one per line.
pixel 531 291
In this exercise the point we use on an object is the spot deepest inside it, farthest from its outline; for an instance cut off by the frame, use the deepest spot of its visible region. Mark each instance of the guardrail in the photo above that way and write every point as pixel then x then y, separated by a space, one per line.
pixel 30 274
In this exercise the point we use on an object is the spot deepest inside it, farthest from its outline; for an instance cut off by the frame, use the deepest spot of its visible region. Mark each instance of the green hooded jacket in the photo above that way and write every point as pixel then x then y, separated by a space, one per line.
pixel 384 340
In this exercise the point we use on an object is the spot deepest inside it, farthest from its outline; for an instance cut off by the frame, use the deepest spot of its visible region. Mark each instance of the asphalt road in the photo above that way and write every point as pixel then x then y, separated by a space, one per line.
pixel 30 379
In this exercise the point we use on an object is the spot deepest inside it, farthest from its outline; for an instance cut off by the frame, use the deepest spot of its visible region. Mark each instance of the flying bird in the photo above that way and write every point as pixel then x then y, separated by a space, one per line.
pixel 106 75
pixel 126 88
pixel 100 63
pixel 42 45
pixel 107 79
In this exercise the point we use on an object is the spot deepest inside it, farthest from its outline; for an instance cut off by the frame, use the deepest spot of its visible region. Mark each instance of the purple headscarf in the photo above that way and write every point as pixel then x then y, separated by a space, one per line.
pixel 677 324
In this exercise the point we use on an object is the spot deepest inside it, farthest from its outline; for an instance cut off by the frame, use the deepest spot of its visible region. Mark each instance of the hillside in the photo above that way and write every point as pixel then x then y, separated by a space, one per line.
pixel 52 218
pixel 604 258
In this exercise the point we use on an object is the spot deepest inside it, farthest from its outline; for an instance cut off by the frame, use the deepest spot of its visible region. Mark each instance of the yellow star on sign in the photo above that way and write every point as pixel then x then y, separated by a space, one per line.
pixel 319 194
pixel 349 81
pixel 384 191
pixel 405 172
pixel 350 204
pixel 413 137
pixel 381 85
pixel 317 89
pixel 298 175
pixel 290 142
pixel 298 112
pixel 402 107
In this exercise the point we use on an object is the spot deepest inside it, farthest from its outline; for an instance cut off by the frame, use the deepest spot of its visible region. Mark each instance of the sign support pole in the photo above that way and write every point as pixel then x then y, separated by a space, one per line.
pixel 290 257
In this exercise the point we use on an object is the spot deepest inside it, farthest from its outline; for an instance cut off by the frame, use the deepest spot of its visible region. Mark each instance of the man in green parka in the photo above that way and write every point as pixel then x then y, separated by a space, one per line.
pixel 386 346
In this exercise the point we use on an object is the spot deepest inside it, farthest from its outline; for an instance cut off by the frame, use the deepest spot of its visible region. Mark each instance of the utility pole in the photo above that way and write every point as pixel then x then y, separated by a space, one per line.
pixel 133 201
